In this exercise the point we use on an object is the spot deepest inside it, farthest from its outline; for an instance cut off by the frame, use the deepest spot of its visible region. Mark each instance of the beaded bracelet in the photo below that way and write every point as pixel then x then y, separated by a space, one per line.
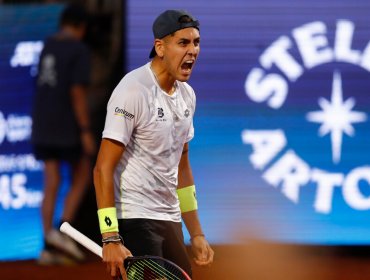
pixel 112 239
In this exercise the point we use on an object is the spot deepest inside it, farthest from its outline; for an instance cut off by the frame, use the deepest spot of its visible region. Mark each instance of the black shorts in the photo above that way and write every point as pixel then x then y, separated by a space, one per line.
pixel 70 154
pixel 157 238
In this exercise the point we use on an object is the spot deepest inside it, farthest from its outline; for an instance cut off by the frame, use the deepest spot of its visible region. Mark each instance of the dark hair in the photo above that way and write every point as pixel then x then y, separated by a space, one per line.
pixel 74 15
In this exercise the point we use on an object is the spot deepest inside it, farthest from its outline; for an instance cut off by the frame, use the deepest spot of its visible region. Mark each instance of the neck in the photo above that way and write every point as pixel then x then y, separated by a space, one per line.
pixel 165 82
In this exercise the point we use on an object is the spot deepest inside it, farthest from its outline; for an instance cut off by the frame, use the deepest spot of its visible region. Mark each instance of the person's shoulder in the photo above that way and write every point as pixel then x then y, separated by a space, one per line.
pixel 138 78
pixel 186 89
pixel 133 83
pixel 186 86
pixel 140 74
pixel 67 44
pixel 50 41
pixel 79 45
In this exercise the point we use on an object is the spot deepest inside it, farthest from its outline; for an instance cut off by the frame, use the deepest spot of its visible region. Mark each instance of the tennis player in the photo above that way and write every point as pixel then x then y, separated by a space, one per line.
pixel 143 178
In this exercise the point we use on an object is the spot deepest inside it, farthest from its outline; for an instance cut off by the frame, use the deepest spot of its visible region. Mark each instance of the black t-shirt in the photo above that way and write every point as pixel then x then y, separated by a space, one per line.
pixel 64 62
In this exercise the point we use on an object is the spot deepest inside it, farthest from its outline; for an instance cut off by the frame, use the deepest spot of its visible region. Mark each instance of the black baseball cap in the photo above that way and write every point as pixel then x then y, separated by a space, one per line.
pixel 171 21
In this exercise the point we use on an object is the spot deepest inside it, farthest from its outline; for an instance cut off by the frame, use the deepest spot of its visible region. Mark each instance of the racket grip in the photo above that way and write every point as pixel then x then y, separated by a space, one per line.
pixel 81 238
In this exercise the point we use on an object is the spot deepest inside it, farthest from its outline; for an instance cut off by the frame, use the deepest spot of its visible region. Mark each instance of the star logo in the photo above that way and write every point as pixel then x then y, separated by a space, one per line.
pixel 336 117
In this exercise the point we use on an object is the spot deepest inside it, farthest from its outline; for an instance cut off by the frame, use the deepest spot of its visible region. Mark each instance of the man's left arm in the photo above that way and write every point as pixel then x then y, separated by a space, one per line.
pixel 203 253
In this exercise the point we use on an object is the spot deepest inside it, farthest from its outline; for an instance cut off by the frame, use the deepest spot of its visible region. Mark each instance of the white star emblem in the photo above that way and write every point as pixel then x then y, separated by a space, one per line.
pixel 336 117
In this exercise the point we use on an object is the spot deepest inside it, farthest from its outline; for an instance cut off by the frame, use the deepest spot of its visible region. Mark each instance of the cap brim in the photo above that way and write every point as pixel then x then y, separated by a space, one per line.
pixel 152 53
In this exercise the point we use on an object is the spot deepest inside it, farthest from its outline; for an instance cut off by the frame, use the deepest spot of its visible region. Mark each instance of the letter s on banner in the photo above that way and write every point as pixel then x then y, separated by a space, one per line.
pixel 271 88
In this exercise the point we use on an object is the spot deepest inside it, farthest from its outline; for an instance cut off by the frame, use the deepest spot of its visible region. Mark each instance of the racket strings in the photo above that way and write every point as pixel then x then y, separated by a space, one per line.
pixel 150 270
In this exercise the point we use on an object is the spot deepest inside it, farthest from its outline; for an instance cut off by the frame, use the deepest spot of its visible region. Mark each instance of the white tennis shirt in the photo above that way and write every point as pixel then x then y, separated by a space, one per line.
pixel 154 127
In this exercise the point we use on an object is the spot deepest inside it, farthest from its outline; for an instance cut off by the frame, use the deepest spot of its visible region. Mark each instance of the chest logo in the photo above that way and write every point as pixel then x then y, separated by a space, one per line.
pixel 160 112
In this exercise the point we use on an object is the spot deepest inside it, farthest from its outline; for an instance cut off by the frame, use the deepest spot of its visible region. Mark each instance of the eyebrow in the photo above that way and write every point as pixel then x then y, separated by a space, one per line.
pixel 188 40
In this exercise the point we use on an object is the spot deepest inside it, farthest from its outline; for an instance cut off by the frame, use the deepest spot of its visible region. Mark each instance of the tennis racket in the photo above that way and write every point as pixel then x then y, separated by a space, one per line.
pixel 137 268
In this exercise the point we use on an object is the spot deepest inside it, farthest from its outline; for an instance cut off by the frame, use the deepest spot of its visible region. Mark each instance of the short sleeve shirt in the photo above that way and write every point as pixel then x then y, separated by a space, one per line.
pixel 154 127
pixel 64 62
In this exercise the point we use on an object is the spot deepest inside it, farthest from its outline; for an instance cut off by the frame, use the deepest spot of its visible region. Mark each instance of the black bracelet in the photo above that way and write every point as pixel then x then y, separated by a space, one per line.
pixel 112 239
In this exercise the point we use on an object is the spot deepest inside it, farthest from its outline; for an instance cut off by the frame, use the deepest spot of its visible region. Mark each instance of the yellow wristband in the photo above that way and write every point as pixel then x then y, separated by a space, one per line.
pixel 108 220
pixel 187 198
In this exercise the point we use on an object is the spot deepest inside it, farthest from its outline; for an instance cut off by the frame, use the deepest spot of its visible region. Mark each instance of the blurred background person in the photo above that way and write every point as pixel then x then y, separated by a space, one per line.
pixel 61 128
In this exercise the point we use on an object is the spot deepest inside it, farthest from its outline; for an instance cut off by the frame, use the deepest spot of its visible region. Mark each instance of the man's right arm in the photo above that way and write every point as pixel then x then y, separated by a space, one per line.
pixel 109 155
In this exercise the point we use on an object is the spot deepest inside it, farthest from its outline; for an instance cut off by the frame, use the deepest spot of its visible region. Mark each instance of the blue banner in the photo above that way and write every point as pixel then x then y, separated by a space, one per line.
pixel 23 29
pixel 282 123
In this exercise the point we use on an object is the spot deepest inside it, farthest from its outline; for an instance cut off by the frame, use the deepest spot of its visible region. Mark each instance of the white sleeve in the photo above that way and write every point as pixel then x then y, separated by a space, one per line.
pixel 123 113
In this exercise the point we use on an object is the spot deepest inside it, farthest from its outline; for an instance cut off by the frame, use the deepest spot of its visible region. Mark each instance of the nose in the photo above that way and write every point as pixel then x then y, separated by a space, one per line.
pixel 193 49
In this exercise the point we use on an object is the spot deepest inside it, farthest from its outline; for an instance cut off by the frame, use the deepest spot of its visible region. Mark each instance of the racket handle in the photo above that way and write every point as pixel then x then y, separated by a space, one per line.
pixel 81 238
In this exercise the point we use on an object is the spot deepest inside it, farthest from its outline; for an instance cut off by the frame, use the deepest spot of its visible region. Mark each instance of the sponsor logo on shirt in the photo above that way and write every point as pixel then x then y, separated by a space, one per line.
pixel 160 112
pixel 123 113
pixel 48 73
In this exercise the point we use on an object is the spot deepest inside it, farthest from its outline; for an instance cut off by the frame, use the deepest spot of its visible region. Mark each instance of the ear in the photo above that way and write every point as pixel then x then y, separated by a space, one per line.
pixel 159 47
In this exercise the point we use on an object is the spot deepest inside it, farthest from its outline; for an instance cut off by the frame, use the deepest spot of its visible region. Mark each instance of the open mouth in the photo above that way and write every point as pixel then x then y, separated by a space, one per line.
pixel 187 66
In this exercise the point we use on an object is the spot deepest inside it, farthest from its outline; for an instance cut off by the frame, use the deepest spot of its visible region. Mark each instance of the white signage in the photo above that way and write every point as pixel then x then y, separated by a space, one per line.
pixel 280 165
